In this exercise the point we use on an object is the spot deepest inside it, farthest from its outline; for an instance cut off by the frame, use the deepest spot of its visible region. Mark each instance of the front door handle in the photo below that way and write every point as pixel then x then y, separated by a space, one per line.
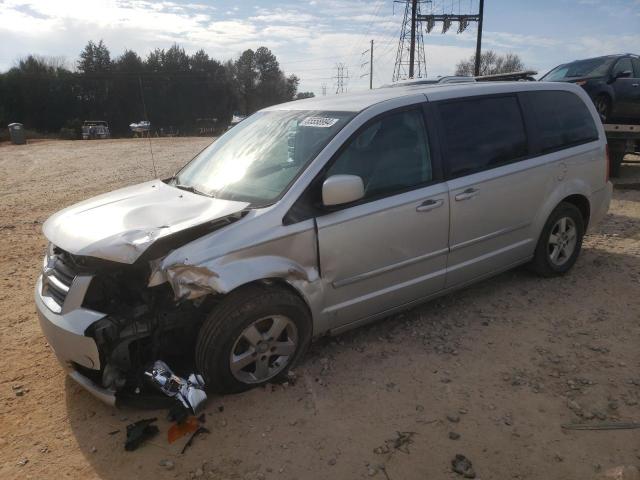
pixel 429 205
pixel 467 194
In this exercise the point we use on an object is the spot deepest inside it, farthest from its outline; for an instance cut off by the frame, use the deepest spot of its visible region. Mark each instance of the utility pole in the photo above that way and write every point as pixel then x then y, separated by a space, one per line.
pixel 479 40
pixel 371 68
pixel 412 50
pixel 370 62
pixel 411 42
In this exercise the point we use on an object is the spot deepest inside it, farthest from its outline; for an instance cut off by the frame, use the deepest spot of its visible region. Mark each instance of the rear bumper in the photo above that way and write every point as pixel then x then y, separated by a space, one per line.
pixel 600 201
pixel 65 334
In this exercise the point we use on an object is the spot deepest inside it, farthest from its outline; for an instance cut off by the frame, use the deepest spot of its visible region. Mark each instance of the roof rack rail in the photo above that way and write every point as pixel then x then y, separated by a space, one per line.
pixel 527 75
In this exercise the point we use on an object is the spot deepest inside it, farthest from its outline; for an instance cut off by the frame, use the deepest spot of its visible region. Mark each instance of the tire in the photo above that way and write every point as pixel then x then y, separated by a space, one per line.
pixel 237 331
pixel 603 106
pixel 543 262
pixel 616 157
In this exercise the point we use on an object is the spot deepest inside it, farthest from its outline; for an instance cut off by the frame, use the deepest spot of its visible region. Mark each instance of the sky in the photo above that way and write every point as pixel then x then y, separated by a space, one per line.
pixel 309 37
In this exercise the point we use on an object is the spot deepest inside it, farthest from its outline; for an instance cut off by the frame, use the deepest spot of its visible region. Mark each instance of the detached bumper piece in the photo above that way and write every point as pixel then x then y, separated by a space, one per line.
pixel 139 432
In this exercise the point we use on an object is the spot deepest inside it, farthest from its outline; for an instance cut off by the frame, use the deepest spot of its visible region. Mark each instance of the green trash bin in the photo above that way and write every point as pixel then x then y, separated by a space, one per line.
pixel 16 132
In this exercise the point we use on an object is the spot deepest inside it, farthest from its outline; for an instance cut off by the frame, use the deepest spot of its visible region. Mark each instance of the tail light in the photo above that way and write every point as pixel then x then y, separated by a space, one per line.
pixel 608 167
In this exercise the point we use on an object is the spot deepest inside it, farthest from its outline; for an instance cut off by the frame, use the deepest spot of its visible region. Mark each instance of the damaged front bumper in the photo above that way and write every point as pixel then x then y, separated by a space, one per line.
pixel 65 332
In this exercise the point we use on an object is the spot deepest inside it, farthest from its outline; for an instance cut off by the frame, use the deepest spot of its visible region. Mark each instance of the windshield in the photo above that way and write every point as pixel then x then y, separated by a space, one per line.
pixel 258 159
pixel 592 68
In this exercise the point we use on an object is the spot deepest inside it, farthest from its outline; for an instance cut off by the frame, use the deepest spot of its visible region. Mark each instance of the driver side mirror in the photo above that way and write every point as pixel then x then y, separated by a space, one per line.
pixel 625 74
pixel 342 189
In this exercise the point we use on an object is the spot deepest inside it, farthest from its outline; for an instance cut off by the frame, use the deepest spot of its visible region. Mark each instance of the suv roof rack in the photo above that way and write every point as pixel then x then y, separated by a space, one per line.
pixel 527 75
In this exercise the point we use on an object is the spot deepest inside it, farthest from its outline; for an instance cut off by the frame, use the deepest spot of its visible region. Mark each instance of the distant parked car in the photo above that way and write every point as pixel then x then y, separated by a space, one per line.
pixel 612 82
pixel 92 129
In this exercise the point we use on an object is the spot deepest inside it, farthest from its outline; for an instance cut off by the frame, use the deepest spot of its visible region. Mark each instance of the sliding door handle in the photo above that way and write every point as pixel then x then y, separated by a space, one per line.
pixel 429 205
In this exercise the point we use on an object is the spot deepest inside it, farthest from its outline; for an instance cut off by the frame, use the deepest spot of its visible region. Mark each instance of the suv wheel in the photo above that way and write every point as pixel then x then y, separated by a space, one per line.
pixel 603 106
pixel 251 338
pixel 560 241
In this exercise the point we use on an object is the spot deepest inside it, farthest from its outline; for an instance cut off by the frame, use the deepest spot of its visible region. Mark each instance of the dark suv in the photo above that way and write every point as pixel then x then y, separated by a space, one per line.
pixel 612 82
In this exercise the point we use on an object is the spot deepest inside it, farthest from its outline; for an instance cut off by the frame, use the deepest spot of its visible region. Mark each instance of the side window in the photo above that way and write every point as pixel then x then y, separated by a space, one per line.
pixel 636 67
pixel 482 133
pixel 390 155
pixel 623 65
pixel 560 119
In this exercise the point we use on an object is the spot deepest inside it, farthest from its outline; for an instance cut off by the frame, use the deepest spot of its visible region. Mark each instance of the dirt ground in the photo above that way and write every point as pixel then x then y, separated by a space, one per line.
pixel 503 364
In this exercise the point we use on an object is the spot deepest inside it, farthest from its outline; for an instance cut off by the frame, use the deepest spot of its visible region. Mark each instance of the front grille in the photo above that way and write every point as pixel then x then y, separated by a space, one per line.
pixel 57 276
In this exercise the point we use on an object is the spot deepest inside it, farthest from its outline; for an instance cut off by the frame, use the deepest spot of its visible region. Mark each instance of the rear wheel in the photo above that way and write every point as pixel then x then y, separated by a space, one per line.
pixel 616 157
pixel 603 106
pixel 560 241
pixel 253 337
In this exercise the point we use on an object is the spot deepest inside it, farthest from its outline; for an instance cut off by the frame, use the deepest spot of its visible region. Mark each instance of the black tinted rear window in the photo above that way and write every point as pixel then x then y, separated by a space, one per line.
pixel 482 133
pixel 561 119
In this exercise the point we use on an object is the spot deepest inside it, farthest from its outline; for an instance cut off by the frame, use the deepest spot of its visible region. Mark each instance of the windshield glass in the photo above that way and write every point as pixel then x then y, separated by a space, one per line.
pixel 592 68
pixel 257 159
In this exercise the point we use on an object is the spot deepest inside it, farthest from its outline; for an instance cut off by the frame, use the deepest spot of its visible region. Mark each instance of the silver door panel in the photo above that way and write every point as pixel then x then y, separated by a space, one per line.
pixel 492 213
pixel 383 253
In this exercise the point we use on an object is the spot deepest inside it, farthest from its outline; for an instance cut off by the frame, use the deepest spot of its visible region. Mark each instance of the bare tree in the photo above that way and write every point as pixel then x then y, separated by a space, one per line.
pixel 491 63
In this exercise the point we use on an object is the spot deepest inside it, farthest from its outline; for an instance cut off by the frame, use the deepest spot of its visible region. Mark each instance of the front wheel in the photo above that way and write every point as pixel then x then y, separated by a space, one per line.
pixel 560 241
pixel 251 338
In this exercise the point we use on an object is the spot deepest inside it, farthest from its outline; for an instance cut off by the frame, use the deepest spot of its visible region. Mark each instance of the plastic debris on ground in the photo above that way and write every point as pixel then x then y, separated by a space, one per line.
pixel 179 430
pixel 194 435
pixel 139 432
pixel 189 392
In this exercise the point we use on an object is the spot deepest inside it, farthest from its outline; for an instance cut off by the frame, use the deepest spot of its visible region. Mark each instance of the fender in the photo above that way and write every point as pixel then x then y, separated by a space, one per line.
pixel 564 189
pixel 192 277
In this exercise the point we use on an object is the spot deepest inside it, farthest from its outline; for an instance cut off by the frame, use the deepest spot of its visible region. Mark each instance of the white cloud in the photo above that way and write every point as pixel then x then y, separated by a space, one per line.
pixel 308 37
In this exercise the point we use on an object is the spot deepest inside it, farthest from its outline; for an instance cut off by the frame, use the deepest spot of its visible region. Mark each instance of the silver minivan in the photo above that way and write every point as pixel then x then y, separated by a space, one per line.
pixel 314 217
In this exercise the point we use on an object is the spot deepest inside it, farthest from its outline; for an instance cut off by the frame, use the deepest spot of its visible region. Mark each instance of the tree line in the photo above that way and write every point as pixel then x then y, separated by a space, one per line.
pixel 491 63
pixel 174 90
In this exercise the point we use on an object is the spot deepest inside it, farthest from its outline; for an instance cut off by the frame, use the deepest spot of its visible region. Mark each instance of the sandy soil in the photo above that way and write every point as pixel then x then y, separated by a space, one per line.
pixel 508 361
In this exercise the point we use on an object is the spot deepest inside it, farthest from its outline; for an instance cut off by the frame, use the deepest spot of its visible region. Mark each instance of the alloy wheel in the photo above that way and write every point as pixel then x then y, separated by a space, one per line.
pixel 264 349
pixel 562 241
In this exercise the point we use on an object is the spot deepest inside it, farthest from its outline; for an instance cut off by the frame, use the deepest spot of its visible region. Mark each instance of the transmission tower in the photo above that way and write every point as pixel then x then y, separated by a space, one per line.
pixel 410 58
pixel 341 77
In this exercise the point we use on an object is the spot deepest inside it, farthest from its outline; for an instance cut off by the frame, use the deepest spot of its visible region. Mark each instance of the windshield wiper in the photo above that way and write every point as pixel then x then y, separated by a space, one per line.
pixel 192 189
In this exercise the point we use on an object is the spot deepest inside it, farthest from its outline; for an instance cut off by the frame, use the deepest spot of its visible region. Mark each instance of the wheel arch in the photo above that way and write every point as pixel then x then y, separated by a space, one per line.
pixel 582 203
pixel 574 191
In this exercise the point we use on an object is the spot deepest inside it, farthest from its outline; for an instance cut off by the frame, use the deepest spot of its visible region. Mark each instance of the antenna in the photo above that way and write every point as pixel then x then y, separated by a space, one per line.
pixel 146 117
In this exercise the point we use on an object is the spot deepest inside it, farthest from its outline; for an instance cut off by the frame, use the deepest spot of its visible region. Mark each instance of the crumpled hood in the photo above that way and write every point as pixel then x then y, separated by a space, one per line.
pixel 121 225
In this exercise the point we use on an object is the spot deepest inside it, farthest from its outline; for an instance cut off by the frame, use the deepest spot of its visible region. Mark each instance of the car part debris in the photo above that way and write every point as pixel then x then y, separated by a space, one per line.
pixel 194 435
pixel 180 429
pixel 139 432
pixel 462 466
pixel 189 392
pixel 602 426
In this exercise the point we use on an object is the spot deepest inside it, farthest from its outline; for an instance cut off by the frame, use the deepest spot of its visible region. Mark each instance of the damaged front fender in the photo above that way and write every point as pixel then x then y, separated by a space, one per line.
pixel 290 257
pixel 190 281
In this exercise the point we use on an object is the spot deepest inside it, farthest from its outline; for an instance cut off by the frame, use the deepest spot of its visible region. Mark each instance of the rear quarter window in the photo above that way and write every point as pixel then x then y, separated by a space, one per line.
pixel 560 120
pixel 482 133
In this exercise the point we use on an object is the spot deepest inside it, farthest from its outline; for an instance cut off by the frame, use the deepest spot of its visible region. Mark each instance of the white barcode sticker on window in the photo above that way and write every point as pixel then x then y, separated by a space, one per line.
pixel 319 122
